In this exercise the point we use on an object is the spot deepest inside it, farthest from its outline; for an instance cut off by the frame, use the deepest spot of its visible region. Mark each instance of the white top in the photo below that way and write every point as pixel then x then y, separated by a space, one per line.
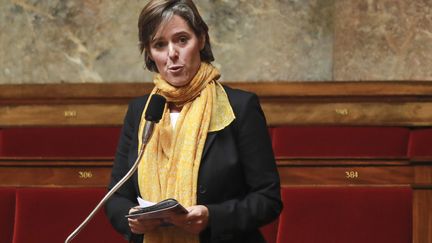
pixel 174 117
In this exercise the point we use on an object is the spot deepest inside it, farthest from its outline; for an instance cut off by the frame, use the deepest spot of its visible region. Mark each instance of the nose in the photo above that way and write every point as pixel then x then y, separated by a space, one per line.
pixel 172 51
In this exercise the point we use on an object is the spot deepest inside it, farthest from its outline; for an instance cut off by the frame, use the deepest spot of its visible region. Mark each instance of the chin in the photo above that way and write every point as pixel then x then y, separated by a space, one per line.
pixel 179 82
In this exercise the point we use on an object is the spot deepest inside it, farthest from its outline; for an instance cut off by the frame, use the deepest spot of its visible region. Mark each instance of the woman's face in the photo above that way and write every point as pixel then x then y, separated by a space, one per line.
pixel 176 51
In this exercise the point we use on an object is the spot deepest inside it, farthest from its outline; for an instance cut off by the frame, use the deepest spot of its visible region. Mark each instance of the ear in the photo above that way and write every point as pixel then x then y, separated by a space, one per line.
pixel 202 41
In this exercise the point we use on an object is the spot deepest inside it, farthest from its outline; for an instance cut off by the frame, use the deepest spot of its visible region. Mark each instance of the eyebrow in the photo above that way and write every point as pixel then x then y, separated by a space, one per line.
pixel 175 35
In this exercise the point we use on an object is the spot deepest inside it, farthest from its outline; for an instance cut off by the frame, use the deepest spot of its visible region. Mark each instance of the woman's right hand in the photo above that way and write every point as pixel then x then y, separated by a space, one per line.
pixel 142 226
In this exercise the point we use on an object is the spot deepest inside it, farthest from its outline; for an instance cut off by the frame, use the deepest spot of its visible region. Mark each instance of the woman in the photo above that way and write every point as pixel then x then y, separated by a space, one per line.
pixel 210 151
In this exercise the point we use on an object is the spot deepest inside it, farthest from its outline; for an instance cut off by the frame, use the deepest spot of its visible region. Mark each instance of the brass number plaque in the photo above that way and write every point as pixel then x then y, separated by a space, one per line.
pixel 351 174
pixel 85 174
pixel 70 114
pixel 342 112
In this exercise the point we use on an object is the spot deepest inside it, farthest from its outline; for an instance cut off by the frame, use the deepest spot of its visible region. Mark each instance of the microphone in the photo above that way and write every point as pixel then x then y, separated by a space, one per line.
pixel 153 114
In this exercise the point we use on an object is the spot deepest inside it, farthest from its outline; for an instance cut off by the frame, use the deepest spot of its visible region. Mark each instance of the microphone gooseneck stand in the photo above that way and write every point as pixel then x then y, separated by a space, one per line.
pixel 108 195
pixel 153 115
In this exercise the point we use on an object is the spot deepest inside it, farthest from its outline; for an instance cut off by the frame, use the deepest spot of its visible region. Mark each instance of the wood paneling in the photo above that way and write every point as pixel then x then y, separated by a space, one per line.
pixel 422 216
pixel 309 103
pixel 423 175
pixel 353 113
pixel 346 175
pixel 55 176
pixel 96 173
pixel 374 114
pixel 62 115
pixel 116 91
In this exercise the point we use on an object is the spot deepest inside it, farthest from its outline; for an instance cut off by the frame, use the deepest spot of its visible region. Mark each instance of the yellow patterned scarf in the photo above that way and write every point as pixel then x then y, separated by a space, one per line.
pixel 169 167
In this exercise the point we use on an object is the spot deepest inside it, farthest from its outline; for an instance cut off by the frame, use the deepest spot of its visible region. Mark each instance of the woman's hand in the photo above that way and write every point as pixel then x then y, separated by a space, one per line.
pixel 142 226
pixel 193 222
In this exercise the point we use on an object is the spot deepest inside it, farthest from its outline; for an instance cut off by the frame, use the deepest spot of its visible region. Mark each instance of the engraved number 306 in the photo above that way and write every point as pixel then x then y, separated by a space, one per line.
pixel 85 174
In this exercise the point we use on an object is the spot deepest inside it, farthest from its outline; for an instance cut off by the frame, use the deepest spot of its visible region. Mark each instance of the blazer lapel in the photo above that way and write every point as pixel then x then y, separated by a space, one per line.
pixel 209 141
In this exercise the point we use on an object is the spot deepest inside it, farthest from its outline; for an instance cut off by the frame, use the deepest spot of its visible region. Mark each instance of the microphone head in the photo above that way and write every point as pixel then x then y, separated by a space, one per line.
pixel 155 108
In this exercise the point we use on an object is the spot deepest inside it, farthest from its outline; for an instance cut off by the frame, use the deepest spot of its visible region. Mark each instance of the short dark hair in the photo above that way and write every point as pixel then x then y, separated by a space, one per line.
pixel 157 11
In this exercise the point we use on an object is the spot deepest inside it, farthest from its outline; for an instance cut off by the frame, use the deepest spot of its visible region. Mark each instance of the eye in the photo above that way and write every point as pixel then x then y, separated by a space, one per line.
pixel 158 45
pixel 183 39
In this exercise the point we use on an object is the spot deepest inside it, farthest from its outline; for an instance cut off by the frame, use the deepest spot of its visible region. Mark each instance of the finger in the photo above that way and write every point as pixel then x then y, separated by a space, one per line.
pixel 149 221
pixel 178 219
pixel 143 226
pixel 133 209
pixel 141 229
pixel 196 213
pixel 193 228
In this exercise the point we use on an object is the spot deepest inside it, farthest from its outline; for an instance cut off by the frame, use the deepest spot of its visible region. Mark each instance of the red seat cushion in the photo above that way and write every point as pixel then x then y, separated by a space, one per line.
pixel 7 212
pixel 60 141
pixel 51 214
pixel 420 144
pixel 340 142
pixel 346 214
pixel 270 131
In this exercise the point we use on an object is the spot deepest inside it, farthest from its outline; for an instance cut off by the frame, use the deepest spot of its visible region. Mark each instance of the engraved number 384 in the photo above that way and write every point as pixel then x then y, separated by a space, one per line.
pixel 351 174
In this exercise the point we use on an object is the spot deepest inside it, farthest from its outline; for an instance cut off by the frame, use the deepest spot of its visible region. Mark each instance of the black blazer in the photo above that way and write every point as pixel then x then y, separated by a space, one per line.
pixel 238 180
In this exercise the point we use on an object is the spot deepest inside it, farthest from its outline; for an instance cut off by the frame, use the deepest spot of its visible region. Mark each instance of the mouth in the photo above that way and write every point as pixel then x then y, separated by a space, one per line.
pixel 175 68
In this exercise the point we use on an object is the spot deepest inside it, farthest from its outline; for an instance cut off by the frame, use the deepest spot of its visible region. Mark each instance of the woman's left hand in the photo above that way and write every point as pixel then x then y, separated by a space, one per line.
pixel 195 221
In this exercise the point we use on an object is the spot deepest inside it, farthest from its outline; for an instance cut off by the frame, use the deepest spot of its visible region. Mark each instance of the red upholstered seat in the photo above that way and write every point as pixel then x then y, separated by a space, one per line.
pixel 60 141
pixel 270 130
pixel 7 214
pixel 420 144
pixel 340 142
pixel 346 214
pixel 51 214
